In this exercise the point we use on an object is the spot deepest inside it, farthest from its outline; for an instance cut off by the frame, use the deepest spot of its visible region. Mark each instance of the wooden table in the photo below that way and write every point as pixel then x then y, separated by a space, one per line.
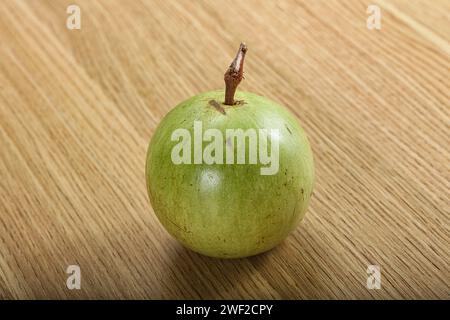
pixel 78 107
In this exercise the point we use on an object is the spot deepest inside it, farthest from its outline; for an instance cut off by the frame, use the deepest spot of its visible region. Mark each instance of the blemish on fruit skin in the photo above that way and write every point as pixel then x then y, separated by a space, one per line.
pixel 290 132
pixel 178 227
pixel 295 208
pixel 217 106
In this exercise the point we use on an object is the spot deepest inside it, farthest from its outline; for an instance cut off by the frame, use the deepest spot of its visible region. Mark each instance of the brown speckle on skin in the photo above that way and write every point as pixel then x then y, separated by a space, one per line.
pixel 178 227
pixel 290 132
pixel 217 106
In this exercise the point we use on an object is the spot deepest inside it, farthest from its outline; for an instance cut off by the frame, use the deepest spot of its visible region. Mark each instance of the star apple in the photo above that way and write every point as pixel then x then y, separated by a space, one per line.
pixel 229 173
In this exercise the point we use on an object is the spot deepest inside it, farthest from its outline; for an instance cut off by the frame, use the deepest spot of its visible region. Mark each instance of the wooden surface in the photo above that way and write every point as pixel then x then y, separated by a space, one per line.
pixel 78 107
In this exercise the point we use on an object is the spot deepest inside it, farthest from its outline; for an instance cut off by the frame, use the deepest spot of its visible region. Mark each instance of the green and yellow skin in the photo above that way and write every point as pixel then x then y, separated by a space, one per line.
pixel 230 210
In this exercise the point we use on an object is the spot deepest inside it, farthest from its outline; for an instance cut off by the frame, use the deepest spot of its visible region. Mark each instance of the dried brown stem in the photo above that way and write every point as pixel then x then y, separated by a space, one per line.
pixel 233 76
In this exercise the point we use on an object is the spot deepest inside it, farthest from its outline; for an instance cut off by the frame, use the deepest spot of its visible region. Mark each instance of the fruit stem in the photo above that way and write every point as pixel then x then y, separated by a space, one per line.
pixel 233 76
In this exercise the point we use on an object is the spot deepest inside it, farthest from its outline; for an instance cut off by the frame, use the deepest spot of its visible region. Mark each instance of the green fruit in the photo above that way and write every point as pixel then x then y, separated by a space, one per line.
pixel 229 209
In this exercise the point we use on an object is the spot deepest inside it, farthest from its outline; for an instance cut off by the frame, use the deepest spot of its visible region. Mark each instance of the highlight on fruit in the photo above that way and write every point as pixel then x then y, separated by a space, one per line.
pixel 229 173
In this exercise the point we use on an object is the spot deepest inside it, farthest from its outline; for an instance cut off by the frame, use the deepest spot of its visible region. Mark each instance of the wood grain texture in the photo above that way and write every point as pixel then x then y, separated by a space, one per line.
pixel 78 107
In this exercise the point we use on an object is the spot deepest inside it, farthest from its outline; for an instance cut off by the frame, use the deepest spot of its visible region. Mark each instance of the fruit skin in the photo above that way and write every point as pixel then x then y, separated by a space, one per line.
pixel 230 210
